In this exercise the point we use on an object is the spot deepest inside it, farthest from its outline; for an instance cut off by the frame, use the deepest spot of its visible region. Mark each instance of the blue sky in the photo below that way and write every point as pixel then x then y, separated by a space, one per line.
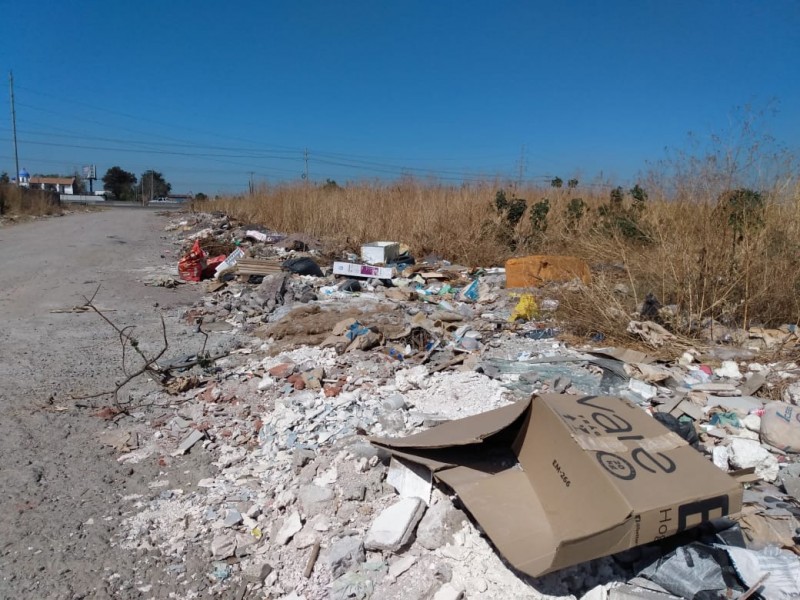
pixel 213 93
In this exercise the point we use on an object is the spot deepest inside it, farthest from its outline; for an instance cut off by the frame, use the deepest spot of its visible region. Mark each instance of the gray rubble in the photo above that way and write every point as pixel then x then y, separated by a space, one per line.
pixel 310 370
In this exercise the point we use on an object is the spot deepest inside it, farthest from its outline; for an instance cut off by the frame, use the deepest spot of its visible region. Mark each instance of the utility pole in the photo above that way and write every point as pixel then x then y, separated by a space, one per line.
pixel 305 159
pixel 152 184
pixel 14 125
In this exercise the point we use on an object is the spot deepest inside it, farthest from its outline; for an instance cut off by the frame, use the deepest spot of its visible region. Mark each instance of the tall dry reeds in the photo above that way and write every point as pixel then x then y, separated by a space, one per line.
pixel 696 253
pixel 26 202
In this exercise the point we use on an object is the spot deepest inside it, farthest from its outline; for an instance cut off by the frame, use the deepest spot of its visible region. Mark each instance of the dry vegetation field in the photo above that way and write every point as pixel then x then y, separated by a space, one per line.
pixel 712 251
pixel 24 202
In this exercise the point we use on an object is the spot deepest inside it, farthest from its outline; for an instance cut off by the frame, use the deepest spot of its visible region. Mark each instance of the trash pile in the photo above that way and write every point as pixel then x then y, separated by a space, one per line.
pixel 387 427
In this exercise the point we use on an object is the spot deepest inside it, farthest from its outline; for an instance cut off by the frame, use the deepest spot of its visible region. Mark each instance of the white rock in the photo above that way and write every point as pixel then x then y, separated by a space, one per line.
pixel 449 591
pixel 720 456
pixel 392 529
pixel 749 453
pixel 596 593
pixel 266 383
pixel 327 478
pixel 479 584
pixel 752 422
pixel 290 526
pixel 642 388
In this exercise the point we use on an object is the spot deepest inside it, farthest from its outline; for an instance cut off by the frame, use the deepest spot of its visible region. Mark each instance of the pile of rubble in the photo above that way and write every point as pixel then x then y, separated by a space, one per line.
pixel 299 503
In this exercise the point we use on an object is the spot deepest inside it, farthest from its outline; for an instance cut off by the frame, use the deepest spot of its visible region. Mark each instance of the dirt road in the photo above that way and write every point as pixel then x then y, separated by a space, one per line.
pixel 60 489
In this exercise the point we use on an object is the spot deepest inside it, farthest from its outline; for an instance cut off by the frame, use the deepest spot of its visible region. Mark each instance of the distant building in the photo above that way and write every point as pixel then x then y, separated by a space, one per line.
pixel 62 185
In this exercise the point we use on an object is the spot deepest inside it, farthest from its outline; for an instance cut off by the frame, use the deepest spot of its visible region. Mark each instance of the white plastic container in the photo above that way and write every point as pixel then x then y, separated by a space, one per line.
pixel 376 253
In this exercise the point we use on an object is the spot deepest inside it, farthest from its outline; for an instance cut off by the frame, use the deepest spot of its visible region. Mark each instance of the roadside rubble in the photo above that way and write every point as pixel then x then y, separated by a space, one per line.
pixel 299 504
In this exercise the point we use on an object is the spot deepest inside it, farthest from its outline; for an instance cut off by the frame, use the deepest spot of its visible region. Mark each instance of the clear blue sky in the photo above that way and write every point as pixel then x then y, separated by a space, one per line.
pixel 208 92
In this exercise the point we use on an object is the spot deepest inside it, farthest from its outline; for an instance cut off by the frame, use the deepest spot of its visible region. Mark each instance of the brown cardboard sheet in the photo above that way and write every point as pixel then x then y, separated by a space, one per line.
pixel 562 479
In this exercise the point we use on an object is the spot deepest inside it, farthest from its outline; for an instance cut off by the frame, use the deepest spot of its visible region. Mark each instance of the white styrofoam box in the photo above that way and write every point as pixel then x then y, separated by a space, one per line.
pixel 379 252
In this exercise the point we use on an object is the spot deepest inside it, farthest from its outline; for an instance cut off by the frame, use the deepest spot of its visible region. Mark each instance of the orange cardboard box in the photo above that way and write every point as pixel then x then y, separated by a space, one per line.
pixel 532 271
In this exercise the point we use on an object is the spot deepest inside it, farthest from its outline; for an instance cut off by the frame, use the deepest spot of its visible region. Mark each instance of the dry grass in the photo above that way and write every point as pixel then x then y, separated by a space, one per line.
pixel 18 201
pixel 684 249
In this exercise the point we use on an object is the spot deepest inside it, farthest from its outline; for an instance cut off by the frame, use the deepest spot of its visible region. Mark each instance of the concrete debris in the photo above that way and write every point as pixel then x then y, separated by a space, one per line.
pixel 315 364
pixel 394 526
pixel 344 553
pixel 291 526
pixel 223 545
pixel 448 591
pixel 439 524
pixel 745 454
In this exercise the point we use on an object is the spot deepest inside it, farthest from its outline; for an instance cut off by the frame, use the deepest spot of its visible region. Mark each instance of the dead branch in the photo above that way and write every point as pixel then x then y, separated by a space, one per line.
pixel 149 364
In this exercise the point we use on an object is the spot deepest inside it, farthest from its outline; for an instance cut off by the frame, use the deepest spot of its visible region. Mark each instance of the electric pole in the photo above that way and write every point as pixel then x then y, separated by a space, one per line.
pixel 305 159
pixel 14 125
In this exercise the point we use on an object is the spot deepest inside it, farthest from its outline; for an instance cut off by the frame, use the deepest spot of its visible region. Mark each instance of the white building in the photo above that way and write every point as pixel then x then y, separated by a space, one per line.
pixel 61 185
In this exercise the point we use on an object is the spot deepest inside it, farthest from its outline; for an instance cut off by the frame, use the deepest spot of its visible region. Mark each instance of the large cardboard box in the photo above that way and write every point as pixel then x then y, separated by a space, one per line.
pixel 561 479
pixel 356 270
pixel 533 271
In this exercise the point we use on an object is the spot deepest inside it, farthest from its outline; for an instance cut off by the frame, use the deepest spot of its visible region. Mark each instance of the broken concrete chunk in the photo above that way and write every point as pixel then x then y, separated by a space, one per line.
pixel 257 572
pixel 790 478
pixel 344 553
pixel 400 566
pixel 223 545
pixel 749 453
pixel 189 441
pixel 291 526
pixel 302 457
pixel 393 528
pixel 449 591
pixel 232 518
pixel 354 491
pixel 315 499
pixel 439 524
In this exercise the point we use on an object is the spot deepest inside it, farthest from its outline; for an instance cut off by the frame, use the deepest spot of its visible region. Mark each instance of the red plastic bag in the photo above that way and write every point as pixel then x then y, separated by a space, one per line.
pixel 190 267
pixel 211 266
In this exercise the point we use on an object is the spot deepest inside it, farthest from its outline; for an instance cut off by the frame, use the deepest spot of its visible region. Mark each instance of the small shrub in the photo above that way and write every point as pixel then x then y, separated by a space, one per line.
pixel 576 209
pixel 618 220
pixel 510 213
pixel 572 184
pixel 556 182
pixel 539 216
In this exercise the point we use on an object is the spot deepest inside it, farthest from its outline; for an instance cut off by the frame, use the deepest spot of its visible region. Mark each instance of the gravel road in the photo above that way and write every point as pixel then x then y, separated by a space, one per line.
pixel 60 489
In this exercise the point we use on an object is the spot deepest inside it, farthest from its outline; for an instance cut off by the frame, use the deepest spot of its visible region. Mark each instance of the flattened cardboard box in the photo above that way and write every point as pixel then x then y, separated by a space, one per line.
pixel 560 479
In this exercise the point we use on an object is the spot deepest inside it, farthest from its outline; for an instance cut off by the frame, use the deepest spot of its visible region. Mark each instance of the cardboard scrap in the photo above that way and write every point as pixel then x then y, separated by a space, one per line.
pixel 525 471
pixel 531 271
pixel 365 271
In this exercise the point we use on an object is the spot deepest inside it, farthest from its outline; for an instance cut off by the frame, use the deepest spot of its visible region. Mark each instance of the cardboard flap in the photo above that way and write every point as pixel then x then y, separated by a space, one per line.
pixel 509 511
pixel 623 354
pixel 470 430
